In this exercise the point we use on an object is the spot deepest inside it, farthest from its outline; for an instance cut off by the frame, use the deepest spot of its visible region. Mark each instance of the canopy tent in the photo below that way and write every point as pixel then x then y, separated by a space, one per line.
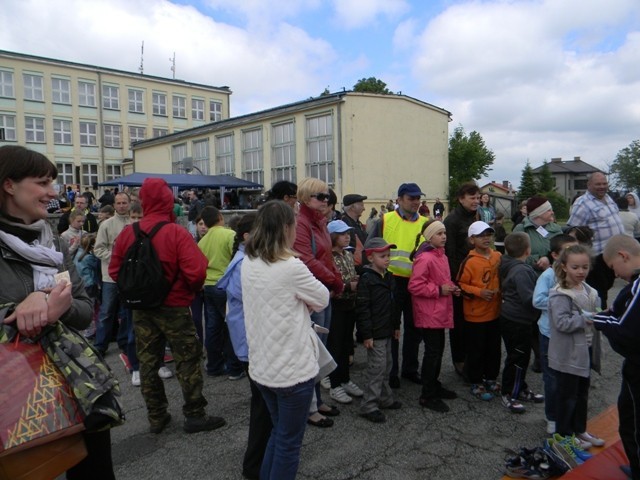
pixel 184 180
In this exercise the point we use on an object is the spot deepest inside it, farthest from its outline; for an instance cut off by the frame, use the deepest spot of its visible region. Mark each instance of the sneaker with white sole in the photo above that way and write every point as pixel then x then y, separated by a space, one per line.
pixel 592 439
pixel 339 395
pixel 530 396
pixel 135 378
pixel 352 389
pixel 512 404
pixel 164 372
pixel 325 383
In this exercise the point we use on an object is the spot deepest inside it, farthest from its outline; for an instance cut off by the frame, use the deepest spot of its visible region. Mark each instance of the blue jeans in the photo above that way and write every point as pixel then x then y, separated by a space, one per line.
pixel 220 355
pixel 108 313
pixel 289 408
pixel 549 380
pixel 126 325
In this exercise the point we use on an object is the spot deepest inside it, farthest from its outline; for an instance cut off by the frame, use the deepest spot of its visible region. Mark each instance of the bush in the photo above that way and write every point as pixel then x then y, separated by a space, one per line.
pixel 559 204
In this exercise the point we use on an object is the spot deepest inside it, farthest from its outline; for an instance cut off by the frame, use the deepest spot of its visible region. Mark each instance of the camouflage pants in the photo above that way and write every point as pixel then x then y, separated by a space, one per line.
pixel 174 324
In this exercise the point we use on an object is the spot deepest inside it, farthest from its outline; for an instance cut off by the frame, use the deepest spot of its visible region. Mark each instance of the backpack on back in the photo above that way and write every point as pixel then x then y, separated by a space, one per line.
pixel 141 281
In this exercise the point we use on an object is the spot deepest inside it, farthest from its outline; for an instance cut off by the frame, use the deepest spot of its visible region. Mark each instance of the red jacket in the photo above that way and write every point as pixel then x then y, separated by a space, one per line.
pixel 311 231
pixel 181 258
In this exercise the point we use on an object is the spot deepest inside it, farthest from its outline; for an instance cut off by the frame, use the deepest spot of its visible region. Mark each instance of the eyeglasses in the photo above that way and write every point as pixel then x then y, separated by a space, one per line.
pixel 322 197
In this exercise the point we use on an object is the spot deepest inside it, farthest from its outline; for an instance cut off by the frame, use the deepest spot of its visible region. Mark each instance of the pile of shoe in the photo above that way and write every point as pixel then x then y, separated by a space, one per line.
pixel 529 463
pixel 571 451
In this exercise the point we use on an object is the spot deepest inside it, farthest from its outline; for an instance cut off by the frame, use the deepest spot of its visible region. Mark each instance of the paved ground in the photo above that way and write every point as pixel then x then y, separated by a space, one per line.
pixel 467 443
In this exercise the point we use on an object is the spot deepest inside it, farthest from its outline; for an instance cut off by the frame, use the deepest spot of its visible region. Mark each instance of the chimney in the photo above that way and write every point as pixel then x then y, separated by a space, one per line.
pixel 556 160
pixel 505 183
pixel 576 159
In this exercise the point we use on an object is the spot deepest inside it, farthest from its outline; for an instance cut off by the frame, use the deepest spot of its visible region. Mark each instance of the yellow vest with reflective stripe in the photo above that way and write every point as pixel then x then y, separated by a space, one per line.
pixel 403 233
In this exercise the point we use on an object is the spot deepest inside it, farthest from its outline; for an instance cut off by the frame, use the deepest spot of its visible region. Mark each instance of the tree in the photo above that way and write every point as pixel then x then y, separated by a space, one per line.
pixel 528 186
pixel 559 204
pixel 469 159
pixel 371 85
pixel 546 182
pixel 626 167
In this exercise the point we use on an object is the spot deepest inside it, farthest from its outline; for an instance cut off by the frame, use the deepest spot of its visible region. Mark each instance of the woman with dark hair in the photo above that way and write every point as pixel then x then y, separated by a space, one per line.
pixel 31 259
pixel 486 211
pixel 285 191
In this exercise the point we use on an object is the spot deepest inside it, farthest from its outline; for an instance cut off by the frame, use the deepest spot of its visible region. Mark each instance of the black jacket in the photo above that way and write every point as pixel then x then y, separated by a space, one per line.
pixel 375 305
pixel 457 247
pixel 517 282
pixel 90 223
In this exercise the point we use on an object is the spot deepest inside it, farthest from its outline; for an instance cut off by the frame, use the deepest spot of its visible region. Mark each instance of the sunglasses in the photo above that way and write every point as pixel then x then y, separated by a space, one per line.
pixel 322 197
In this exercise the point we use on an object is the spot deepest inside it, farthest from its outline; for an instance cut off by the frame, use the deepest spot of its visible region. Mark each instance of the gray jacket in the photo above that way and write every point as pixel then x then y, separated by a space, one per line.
pixel 568 349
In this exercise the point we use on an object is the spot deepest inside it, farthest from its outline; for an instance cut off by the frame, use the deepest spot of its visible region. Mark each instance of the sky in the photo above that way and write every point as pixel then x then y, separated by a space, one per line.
pixel 538 79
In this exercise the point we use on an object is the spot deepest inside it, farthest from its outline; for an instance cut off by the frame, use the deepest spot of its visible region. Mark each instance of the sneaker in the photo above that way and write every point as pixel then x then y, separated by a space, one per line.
pixel 237 376
pixel 164 372
pixel 434 403
pixel 168 356
pixel 376 416
pixel 551 427
pixel 492 386
pixel 480 392
pixel 202 424
pixel 325 383
pixel 352 389
pixel 530 396
pixel 558 464
pixel 512 404
pixel 593 440
pixel 578 446
pixel 158 427
pixel 394 382
pixel 135 378
pixel 564 451
pixel 519 467
pixel 339 395
pixel 125 361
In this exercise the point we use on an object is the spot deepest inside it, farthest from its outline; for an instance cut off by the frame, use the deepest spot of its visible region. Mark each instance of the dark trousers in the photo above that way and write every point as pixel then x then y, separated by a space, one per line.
pixel 483 350
pixel 411 337
pixel 197 314
pixel 221 358
pixel 432 361
pixel 601 277
pixel 340 343
pixel 517 342
pixel 97 465
pixel 629 413
pixel 260 427
pixel 572 401
pixel 456 334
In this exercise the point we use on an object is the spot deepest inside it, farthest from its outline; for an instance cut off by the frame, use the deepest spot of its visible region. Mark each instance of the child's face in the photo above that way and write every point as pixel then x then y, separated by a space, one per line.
pixel 577 268
pixel 202 228
pixel 482 241
pixel 380 260
pixel 439 239
pixel 343 240
pixel 135 216
pixel 77 223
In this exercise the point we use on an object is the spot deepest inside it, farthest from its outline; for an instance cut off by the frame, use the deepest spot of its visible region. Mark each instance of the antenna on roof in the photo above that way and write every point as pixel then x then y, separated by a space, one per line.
pixel 173 65
pixel 142 59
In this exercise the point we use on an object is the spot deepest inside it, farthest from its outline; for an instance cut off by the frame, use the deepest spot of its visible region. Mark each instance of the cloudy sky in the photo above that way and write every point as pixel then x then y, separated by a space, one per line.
pixel 537 79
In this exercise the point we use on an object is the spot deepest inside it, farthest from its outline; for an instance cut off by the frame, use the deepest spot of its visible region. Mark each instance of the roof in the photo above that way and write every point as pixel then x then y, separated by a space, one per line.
pixel 184 180
pixel 569 166
pixel 498 186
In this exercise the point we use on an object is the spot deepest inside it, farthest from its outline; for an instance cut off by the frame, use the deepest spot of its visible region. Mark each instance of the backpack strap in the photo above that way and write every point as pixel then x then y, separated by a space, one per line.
pixel 139 233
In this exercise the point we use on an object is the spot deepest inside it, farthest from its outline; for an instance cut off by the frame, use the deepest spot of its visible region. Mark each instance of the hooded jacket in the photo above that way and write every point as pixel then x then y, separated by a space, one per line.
pixel 375 305
pixel 477 273
pixel 182 261
pixel 636 208
pixel 517 282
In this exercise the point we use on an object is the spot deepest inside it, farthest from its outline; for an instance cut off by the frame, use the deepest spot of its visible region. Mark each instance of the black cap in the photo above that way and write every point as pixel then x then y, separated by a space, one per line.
pixel 352 198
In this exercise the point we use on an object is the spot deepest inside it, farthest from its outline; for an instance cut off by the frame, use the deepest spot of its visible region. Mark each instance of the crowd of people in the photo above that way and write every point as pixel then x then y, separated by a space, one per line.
pixel 280 295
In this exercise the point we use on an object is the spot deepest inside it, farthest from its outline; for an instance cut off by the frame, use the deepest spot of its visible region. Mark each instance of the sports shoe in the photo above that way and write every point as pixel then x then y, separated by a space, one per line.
pixel 512 404
pixel 164 372
pixel 480 392
pixel 564 451
pixel 576 445
pixel 237 376
pixel 593 440
pixel 168 356
pixel 520 467
pixel 551 427
pixel 158 427
pixel 376 416
pixel 125 361
pixel 339 395
pixel 352 389
pixel 135 378
pixel 558 465
pixel 325 383
pixel 202 424
pixel 574 441
pixel 530 396
pixel 492 387
pixel 434 403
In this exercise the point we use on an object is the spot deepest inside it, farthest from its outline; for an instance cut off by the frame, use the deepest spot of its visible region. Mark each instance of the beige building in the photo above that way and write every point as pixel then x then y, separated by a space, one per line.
pixel 84 117
pixel 570 176
pixel 356 142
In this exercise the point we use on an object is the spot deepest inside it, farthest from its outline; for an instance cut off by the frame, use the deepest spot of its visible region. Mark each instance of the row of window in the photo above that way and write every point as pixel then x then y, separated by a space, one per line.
pixel 33 89
pixel 319 153
pixel 89 174
pixel 34 129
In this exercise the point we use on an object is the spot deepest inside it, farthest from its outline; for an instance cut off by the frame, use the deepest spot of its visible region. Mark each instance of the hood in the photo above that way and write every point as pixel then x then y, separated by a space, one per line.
pixel 427 247
pixel 507 263
pixel 156 197
pixel 635 197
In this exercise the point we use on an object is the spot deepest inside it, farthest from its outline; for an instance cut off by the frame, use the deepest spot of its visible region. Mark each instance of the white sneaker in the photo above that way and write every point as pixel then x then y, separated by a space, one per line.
pixel 352 389
pixel 325 383
pixel 135 378
pixel 593 440
pixel 339 395
pixel 551 427
pixel 164 372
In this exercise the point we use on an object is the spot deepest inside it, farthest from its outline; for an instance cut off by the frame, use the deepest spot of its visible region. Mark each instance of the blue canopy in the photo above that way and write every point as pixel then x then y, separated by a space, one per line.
pixel 185 181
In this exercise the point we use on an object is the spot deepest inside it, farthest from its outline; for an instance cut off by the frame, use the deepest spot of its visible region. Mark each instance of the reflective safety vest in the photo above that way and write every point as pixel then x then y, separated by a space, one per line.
pixel 403 233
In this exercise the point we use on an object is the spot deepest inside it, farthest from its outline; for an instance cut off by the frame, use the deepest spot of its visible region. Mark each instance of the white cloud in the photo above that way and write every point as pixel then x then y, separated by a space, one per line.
pixel 352 14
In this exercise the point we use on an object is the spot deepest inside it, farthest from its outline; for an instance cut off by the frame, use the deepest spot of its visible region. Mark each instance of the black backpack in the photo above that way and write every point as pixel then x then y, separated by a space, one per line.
pixel 141 281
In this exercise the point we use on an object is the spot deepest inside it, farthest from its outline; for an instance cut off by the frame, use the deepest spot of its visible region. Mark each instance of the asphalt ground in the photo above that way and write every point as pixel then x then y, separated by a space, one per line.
pixel 468 442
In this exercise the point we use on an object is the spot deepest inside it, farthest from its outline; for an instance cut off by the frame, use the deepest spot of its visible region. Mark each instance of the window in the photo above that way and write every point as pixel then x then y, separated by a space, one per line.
pixel 224 155
pixel 135 101
pixel 89 173
pixel 136 134
pixel 32 87
pixel 112 134
pixel 86 94
pixel 178 152
pixel 62 132
pixel 65 173
pixel 179 107
pixel 8 127
pixel 159 104
pixel 6 84
pixel 200 151
pixel 88 134
pixel 112 171
pixel 34 129
pixel 197 109
pixel 320 148
pixel 61 90
pixel 252 163
pixel 283 153
pixel 160 132
pixel 580 184
pixel 110 98
pixel 215 111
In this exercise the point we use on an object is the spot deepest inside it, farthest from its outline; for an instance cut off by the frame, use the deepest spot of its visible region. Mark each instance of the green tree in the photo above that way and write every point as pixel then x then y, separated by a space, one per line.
pixel 469 159
pixel 371 85
pixel 559 204
pixel 626 167
pixel 528 185
pixel 546 182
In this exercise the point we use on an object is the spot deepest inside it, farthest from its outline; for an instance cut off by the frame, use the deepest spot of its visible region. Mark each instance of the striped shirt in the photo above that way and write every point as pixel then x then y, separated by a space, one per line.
pixel 602 216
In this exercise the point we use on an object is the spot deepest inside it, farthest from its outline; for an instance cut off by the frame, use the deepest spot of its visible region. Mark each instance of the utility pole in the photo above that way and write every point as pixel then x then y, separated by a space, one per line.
pixel 142 59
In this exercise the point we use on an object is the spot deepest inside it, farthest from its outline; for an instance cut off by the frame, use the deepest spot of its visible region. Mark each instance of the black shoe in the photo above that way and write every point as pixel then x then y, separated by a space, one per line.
pixel 202 424
pixel 447 394
pixel 332 412
pixel 412 377
pixel 394 382
pixel 376 416
pixel 158 427
pixel 322 423
pixel 395 405
pixel 435 404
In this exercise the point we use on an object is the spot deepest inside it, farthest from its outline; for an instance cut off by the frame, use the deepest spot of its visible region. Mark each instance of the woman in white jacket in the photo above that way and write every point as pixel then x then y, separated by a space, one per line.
pixel 278 293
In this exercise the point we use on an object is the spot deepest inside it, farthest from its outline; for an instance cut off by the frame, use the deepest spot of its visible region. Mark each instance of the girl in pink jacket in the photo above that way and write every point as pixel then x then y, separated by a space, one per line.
pixel 431 288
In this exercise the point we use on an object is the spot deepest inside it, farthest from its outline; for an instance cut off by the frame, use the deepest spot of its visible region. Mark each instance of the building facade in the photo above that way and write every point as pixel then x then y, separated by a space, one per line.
pixel 356 142
pixel 570 176
pixel 84 118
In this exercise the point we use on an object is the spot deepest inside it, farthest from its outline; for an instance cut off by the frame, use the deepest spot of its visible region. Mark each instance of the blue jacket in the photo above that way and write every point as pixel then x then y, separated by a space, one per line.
pixel 230 282
pixel 545 282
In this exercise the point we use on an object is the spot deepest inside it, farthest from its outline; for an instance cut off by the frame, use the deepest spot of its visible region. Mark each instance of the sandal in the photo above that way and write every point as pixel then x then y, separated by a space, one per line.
pixel 332 412
pixel 322 423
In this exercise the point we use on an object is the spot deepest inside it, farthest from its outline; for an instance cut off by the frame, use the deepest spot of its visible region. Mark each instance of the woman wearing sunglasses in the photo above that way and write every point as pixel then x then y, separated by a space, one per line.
pixel 313 243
